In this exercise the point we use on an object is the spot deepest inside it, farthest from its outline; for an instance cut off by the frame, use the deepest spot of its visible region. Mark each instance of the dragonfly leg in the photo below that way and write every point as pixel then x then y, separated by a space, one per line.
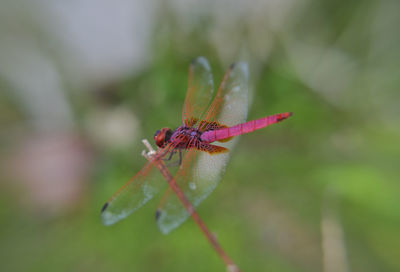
pixel 174 163
pixel 180 156
pixel 171 154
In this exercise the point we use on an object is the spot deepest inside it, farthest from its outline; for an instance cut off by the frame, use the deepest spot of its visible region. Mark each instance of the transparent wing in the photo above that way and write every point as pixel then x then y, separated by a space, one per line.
pixel 197 180
pixel 200 91
pixel 200 172
pixel 230 105
pixel 133 195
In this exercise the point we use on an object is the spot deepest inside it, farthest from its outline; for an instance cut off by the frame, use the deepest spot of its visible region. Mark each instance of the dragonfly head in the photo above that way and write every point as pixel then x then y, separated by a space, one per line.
pixel 161 137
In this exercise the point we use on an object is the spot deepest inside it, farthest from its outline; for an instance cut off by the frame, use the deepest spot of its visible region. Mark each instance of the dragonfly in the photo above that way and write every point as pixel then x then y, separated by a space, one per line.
pixel 196 152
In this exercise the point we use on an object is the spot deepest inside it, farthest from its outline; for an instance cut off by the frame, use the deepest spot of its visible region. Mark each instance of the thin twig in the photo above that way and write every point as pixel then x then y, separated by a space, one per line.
pixel 150 155
pixel 333 240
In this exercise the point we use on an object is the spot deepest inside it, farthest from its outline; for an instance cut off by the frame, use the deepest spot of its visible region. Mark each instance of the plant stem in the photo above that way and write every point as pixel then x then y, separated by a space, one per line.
pixel 231 267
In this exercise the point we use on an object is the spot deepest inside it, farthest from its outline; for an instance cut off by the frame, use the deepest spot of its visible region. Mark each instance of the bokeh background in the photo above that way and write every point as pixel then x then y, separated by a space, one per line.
pixel 82 82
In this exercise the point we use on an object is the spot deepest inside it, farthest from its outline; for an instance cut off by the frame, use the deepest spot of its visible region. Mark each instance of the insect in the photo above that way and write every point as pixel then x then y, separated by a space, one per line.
pixel 210 122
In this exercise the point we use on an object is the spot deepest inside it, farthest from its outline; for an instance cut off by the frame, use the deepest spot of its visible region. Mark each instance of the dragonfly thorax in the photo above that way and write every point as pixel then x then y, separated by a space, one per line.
pixel 183 137
pixel 186 137
pixel 190 132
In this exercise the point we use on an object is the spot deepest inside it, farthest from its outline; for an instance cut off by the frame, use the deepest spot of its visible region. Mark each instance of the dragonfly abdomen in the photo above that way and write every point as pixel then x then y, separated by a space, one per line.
pixel 224 133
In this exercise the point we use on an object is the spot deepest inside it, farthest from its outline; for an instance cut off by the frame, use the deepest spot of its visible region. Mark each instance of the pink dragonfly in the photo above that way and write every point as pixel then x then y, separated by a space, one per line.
pixel 199 163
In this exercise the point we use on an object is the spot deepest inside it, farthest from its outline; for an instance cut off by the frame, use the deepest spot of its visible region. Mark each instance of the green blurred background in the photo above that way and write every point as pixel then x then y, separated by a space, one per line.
pixel 82 82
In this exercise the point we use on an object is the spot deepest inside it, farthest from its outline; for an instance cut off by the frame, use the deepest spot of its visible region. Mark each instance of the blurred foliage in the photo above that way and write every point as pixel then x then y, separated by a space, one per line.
pixel 267 210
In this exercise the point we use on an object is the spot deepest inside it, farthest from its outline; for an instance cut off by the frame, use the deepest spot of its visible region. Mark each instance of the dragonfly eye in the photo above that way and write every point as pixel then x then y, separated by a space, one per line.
pixel 162 136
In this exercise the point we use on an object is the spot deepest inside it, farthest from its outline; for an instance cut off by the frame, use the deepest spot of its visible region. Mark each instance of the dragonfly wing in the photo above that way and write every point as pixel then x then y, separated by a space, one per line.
pixel 201 172
pixel 197 178
pixel 133 195
pixel 200 91
pixel 230 105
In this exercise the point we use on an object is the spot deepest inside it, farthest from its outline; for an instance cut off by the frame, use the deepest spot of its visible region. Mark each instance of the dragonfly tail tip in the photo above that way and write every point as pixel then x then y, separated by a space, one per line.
pixel 104 207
